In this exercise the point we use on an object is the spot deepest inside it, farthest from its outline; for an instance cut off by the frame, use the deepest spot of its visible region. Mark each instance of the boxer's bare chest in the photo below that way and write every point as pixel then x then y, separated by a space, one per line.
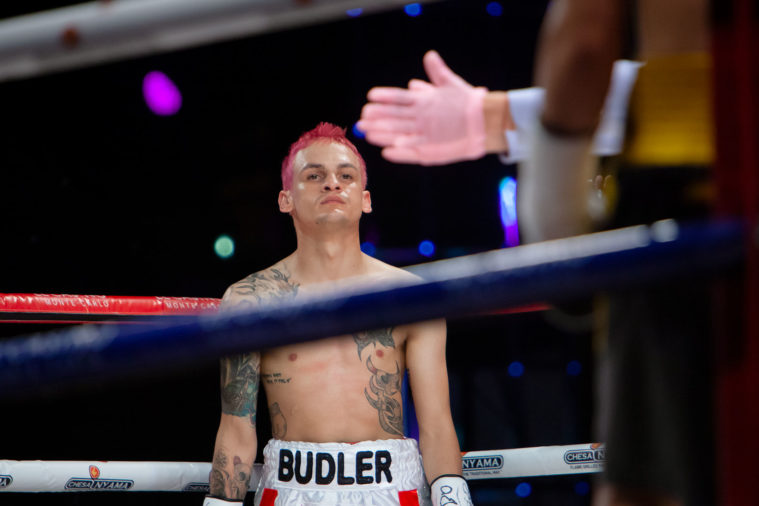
pixel 330 387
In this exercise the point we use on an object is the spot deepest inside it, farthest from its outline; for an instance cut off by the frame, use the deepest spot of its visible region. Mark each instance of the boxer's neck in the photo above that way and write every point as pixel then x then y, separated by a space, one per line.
pixel 320 259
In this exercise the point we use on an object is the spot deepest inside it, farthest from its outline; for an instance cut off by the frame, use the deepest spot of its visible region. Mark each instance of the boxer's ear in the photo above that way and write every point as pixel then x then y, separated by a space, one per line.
pixel 285 201
pixel 366 204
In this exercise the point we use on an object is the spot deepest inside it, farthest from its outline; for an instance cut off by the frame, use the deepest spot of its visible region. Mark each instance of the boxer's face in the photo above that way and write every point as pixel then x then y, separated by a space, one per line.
pixel 327 186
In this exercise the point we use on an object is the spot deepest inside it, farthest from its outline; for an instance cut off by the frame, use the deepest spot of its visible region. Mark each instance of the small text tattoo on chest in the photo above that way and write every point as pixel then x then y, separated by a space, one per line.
pixel 275 379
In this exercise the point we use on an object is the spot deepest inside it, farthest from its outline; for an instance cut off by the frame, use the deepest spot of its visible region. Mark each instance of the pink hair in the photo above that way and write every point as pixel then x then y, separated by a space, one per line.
pixel 323 132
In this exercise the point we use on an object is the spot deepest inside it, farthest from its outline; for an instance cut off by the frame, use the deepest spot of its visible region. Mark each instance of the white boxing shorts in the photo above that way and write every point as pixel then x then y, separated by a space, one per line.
pixel 369 473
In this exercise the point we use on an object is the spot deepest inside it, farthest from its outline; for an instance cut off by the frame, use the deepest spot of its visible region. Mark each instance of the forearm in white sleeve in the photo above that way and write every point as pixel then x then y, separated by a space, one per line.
pixel 526 103
pixel 554 186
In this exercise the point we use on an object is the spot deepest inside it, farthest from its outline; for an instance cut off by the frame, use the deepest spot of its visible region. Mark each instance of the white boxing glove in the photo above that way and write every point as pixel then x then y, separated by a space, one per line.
pixel 450 489
pixel 215 501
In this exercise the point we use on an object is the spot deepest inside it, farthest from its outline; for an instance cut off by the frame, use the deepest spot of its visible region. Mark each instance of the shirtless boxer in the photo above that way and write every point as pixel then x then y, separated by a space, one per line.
pixel 335 404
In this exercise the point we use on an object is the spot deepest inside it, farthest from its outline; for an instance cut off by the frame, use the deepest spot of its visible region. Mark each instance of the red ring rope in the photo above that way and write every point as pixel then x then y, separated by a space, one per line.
pixel 63 308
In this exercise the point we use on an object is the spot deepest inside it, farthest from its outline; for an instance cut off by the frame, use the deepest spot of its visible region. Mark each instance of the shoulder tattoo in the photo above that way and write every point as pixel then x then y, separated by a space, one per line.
pixel 271 285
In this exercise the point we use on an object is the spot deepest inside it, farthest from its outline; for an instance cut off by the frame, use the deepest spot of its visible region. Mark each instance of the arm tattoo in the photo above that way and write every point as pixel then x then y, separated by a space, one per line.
pixel 381 336
pixel 240 374
pixel 384 386
pixel 240 479
pixel 229 485
pixel 239 385
pixel 278 422
pixel 219 475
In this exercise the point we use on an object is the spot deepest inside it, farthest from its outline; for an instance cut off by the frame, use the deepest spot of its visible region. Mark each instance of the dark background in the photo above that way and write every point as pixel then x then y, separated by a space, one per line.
pixel 100 196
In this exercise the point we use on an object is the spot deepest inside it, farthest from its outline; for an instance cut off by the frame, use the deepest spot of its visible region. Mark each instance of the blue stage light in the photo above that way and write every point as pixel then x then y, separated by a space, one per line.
pixel 582 488
pixel 369 248
pixel 354 13
pixel 523 489
pixel 494 8
pixel 358 133
pixel 516 369
pixel 413 10
pixel 427 248
pixel 574 368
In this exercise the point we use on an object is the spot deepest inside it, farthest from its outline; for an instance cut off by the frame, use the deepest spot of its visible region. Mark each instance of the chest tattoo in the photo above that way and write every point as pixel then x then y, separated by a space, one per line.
pixel 375 337
pixel 384 387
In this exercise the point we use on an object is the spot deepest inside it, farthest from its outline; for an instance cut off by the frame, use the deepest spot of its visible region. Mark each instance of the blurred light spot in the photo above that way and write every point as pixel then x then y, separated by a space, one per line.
pixel 494 9
pixel 664 230
pixel 507 191
pixel 70 37
pixel 354 13
pixel 427 248
pixel 582 488
pixel 358 133
pixel 224 246
pixel 574 368
pixel 369 248
pixel 413 10
pixel 516 369
pixel 161 94
pixel 523 489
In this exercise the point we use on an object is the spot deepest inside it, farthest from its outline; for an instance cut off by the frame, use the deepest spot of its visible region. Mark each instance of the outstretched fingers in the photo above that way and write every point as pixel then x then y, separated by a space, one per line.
pixel 390 95
pixel 438 72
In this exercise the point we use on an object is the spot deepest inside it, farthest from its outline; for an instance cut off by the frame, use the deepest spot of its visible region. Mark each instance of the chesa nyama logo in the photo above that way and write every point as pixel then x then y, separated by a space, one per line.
pixel 594 455
pixel 94 482
pixel 482 464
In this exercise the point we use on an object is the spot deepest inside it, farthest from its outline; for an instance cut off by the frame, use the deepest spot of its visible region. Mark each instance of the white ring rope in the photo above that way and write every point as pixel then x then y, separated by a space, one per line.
pixel 86 476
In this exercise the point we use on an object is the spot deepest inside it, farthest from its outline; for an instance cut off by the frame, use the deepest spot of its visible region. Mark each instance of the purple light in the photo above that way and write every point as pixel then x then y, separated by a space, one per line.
pixel 507 191
pixel 161 94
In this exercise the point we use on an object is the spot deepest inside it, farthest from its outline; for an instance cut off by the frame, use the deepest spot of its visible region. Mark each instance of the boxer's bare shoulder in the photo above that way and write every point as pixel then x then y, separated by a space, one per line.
pixel 267 286
pixel 378 272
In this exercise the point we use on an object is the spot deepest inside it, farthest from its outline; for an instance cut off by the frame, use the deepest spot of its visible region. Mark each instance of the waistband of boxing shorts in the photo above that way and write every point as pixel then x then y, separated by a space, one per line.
pixel 380 464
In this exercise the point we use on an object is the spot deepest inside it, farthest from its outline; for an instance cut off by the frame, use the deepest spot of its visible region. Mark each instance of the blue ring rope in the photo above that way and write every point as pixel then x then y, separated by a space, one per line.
pixel 543 272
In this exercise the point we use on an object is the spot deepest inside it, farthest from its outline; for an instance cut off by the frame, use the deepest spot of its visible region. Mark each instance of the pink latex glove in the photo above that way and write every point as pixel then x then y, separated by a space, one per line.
pixel 428 123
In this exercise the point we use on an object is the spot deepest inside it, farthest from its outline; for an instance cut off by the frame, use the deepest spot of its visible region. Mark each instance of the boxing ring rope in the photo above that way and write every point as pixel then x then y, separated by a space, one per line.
pixel 86 476
pixel 98 32
pixel 550 271
pixel 554 270
pixel 64 308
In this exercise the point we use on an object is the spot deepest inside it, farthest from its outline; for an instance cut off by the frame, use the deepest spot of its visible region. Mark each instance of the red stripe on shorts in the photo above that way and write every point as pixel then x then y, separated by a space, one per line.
pixel 268 497
pixel 408 498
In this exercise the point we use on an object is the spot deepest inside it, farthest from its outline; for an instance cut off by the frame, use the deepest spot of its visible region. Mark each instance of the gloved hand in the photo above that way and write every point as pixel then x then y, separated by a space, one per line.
pixel 450 489
pixel 428 123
